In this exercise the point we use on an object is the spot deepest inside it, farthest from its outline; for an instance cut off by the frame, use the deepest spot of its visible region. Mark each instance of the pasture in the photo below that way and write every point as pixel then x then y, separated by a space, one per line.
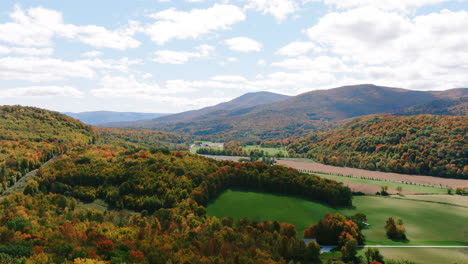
pixel 272 152
pixel 392 185
pixel 425 255
pixel 426 222
pixel 265 206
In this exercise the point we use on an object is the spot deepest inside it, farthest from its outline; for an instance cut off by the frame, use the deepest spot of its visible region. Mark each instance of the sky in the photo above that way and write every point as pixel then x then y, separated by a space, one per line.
pixel 168 56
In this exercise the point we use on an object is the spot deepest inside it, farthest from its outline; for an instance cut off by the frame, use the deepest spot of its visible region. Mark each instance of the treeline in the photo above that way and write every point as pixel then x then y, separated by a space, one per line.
pixel 170 190
pixel 141 137
pixel 424 144
pixel 53 229
pixel 30 136
pixel 142 179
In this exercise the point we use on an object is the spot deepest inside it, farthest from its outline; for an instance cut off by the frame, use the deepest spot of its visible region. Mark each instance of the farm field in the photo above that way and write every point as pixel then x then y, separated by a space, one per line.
pixel 426 223
pixel 305 164
pixel 457 200
pixel 194 149
pixel 269 151
pixel 266 206
pixel 407 188
pixel 425 255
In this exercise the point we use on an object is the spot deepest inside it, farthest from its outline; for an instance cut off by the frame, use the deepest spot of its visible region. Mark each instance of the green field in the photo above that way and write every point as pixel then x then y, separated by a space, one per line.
pixel 265 206
pixel 393 185
pixel 195 149
pixel 269 151
pixel 425 255
pixel 426 223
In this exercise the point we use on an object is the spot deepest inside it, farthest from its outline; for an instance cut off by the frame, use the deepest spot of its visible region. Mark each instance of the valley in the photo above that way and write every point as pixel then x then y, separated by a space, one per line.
pixel 138 195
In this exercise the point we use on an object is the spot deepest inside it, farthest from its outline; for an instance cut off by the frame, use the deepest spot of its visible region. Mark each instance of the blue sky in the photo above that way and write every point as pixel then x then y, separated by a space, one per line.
pixel 172 56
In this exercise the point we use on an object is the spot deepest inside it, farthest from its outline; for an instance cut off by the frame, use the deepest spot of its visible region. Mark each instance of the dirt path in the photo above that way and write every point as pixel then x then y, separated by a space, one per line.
pixel 426 180
pixel 19 186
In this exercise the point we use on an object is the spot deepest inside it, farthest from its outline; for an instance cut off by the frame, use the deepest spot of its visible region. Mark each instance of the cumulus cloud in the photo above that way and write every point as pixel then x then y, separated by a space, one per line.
pixel 229 78
pixel 402 5
pixel 38 69
pixel 243 44
pixel 320 64
pixel 297 48
pixel 182 57
pixel 129 86
pixel 26 51
pixel 40 91
pixel 36 27
pixel 280 9
pixel 173 24
pixel 92 53
pixel 426 49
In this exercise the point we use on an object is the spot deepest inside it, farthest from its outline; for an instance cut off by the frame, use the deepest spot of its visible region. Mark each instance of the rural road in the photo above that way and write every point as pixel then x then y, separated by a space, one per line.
pixel 19 186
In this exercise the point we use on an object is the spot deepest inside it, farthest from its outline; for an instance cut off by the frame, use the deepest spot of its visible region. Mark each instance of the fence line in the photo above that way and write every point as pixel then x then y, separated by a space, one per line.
pixel 375 179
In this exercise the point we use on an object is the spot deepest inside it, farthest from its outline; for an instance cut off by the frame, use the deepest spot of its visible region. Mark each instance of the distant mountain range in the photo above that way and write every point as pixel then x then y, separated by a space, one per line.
pixel 271 116
pixel 103 117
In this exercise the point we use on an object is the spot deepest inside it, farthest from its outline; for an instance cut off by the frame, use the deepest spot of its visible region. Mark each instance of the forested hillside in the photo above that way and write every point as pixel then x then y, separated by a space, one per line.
pixel 448 106
pixel 300 115
pixel 423 144
pixel 30 136
pixel 166 190
pixel 141 138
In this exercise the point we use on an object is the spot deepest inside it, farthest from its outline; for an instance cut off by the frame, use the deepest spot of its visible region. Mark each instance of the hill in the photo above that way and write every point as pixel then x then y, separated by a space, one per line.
pixel 447 106
pixel 30 136
pixel 141 138
pixel 103 117
pixel 423 144
pixel 51 221
pixel 245 101
pixel 296 116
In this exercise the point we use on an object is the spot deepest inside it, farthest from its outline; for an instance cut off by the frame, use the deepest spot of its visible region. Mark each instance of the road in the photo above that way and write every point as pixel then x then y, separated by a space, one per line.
pixel 19 186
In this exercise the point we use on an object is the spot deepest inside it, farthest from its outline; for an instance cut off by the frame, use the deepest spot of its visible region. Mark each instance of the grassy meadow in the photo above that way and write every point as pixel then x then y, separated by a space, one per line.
pixel 425 255
pixel 269 151
pixel 265 206
pixel 426 223
pixel 393 185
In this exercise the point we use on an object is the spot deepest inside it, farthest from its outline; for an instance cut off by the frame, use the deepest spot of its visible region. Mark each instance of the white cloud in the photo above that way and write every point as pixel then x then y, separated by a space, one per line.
pixel 37 27
pixel 423 52
pixel 91 54
pixel 229 78
pixel 382 4
pixel 261 62
pixel 182 57
pixel 37 69
pixel 173 24
pixel 280 9
pixel 129 86
pixel 297 48
pixel 26 51
pixel 320 64
pixel 279 82
pixel 243 44
pixel 40 91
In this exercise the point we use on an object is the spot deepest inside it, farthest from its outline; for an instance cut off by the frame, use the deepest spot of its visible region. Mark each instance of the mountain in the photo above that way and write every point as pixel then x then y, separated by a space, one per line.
pixel 245 101
pixel 299 115
pixel 446 106
pixel 421 144
pixel 102 117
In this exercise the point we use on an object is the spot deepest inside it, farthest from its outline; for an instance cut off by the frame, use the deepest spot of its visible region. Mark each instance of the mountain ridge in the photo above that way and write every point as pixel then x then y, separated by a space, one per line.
pixel 312 111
